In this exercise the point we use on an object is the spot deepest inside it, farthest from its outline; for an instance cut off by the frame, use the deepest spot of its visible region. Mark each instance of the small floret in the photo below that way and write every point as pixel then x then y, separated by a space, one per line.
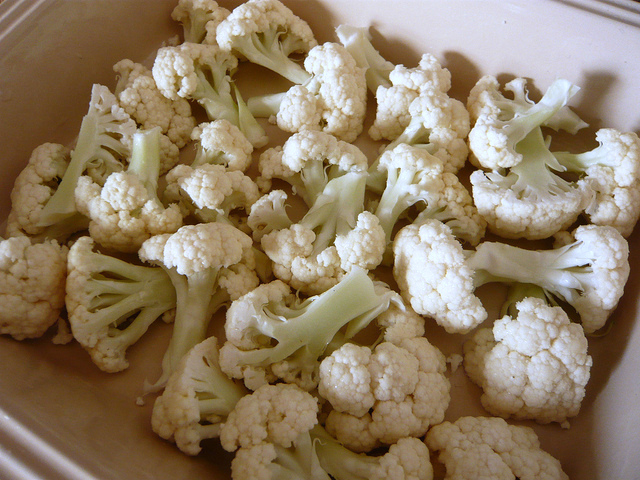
pixel 269 213
pixel 532 364
pixel 529 200
pixel 102 147
pixel 111 302
pixel 126 210
pixel 589 273
pixel 332 100
pixel 222 143
pixel 267 33
pixel 202 73
pixel 32 286
pixel 32 189
pixel 205 265
pixel 199 19
pixel 488 447
pixel 197 399
pixel 432 273
pixel 140 97
pixel 271 334
pixel 382 395
pixel 612 171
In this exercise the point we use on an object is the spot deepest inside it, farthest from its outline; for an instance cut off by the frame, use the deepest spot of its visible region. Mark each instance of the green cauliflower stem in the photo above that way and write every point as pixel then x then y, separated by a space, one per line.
pixel 102 145
pixel 588 273
pixel 272 335
pixel 111 302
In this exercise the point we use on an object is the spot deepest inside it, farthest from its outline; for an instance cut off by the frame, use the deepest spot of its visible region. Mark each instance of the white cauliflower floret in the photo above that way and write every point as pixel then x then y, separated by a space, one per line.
pixel 266 32
pixel 269 213
pixel 532 366
pixel 199 19
pixel 126 210
pixel 139 96
pixel 392 111
pixel 431 271
pixel 364 245
pixel 197 399
pixel 332 100
pixel 32 286
pixel 381 396
pixel 221 142
pixel 276 414
pixel 488 447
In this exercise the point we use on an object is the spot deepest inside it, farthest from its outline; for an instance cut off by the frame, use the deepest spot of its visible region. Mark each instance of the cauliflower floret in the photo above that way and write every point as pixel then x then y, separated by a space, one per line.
pixel 139 96
pixel 221 142
pixel 364 245
pixel 430 269
pixel 32 286
pixel 199 19
pixel 532 366
pixel 381 396
pixel 488 447
pixel 269 213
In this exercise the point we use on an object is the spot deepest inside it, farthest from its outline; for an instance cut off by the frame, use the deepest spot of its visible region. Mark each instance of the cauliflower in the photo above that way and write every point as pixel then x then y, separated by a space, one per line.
pixel 432 273
pixel 210 191
pixel 221 142
pixel 612 171
pixel 202 73
pixel 499 123
pixel 588 273
pixel 32 286
pixel 332 100
pixel 382 395
pixel 126 210
pixel 209 264
pixel 197 399
pixel 529 200
pixel 111 302
pixel 488 447
pixel 199 19
pixel 139 96
pixel 267 33
pixel 530 365
pixel 269 213
pixel 31 191
pixel 273 335
pixel 101 148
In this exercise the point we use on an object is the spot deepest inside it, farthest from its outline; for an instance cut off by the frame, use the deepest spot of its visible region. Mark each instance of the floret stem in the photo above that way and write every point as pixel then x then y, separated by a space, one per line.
pixel 265 49
pixel 340 462
pixel 579 162
pixel 198 298
pixel 214 94
pixel 248 124
pixel 306 329
pixel 401 192
pixel 265 106
pixel 357 41
pixel 145 159
pixel 561 271
pixel 98 142
pixel 336 209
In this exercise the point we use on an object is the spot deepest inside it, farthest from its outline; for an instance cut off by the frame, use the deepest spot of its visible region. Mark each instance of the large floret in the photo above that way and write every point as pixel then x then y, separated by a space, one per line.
pixel 197 399
pixel 32 286
pixel 271 334
pixel 532 364
pixel 431 270
pixel 382 395
pixel 488 447
pixel 267 33
pixel 589 273
pixel 209 264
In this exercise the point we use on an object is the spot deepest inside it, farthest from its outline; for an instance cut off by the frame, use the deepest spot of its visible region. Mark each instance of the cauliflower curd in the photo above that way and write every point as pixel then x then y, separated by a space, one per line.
pixel 325 235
